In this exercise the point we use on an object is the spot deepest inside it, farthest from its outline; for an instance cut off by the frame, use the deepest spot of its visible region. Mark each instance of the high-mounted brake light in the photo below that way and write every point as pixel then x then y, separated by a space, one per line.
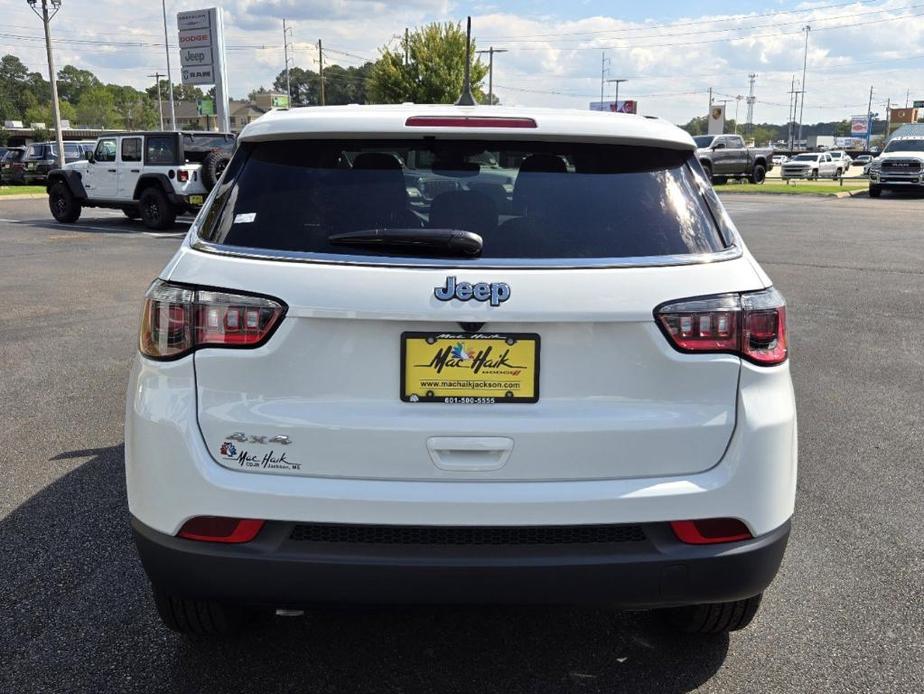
pixel 710 531
pixel 469 122
pixel 178 319
pixel 220 529
pixel 751 325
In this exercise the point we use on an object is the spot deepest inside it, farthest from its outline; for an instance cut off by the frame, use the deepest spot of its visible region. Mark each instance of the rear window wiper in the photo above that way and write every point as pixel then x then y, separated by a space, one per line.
pixel 457 242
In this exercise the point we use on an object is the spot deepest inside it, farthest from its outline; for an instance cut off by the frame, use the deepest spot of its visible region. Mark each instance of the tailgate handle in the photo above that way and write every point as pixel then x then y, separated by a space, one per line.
pixel 469 453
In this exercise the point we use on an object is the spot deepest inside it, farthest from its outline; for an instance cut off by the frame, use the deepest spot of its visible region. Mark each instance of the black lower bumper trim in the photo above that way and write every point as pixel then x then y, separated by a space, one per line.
pixel 275 570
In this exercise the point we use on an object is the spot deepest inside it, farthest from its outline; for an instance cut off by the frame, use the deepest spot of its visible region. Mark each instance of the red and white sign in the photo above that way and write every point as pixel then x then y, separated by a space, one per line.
pixel 194 38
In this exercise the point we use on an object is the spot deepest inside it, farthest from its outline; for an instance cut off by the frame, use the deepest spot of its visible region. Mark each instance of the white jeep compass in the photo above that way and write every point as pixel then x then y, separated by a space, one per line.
pixel 453 354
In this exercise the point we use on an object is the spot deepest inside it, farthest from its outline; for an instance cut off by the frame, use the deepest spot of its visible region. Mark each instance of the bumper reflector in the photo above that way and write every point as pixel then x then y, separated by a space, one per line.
pixel 220 529
pixel 710 531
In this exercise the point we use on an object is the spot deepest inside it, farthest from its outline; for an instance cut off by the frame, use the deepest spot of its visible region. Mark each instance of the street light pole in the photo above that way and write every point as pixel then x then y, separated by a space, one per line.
pixel 491 51
pixel 618 81
pixel 55 108
pixel 160 99
pixel 163 5
pixel 806 29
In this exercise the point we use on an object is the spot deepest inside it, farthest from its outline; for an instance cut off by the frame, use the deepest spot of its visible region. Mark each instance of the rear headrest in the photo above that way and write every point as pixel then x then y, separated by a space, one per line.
pixel 376 161
pixel 547 163
pixel 531 184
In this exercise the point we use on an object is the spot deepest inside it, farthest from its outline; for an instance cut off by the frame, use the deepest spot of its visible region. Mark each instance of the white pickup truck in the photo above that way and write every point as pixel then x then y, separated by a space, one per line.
pixel 899 167
pixel 151 175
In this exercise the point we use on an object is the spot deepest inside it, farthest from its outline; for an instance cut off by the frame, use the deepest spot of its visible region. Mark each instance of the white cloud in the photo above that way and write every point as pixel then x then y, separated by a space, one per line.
pixel 551 61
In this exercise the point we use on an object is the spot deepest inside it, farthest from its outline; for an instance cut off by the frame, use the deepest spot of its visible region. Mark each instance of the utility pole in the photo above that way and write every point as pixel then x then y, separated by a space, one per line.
pixel 160 99
pixel 491 51
pixel 869 118
pixel 709 110
pixel 907 97
pixel 407 43
pixel 602 75
pixel 737 104
pixel 55 109
pixel 751 101
pixel 321 69
pixel 285 49
pixel 806 29
pixel 888 117
pixel 163 5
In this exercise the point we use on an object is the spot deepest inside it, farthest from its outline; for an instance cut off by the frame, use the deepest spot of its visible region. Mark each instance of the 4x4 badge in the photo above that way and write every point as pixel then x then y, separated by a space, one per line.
pixel 495 292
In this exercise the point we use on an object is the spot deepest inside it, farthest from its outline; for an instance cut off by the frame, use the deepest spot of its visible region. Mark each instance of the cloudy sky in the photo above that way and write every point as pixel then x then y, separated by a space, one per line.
pixel 671 52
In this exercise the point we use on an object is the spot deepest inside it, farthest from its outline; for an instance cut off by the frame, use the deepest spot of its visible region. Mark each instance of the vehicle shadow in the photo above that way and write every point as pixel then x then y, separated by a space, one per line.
pixel 76 615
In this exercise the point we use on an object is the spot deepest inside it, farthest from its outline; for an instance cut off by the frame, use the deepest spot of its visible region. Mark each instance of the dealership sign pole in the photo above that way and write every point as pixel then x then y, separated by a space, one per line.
pixel 202 56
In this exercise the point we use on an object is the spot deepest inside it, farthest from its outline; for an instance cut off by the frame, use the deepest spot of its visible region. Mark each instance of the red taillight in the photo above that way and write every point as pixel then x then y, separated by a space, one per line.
pixel 752 325
pixel 177 320
pixel 182 176
pixel 469 122
pixel 710 531
pixel 220 529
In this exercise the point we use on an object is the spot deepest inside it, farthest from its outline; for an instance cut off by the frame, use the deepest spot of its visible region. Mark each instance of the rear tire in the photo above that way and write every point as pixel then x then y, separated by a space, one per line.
pixel 713 618
pixel 758 174
pixel 156 210
pixel 64 206
pixel 198 617
pixel 875 191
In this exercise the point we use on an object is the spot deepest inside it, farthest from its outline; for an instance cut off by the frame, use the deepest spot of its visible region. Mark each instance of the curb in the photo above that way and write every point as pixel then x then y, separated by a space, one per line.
pixel 24 196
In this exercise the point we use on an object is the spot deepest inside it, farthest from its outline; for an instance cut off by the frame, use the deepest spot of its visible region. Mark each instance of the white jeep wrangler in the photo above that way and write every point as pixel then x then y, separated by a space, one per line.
pixel 152 175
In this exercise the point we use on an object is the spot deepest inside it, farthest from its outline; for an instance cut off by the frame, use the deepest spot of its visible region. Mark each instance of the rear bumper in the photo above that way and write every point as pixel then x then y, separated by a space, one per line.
pixel 279 571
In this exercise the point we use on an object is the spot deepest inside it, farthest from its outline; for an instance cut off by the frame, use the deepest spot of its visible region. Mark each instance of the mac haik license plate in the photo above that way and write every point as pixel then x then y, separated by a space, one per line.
pixel 470 368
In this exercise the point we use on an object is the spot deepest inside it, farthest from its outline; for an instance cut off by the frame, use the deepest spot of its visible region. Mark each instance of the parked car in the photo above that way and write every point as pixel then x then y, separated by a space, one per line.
pixel 779 159
pixel 842 160
pixel 12 169
pixel 726 156
pixel 862 159
pixel 899 167
pixel 813 165
pixel 152 175
pixel 338 398
pixel 42 157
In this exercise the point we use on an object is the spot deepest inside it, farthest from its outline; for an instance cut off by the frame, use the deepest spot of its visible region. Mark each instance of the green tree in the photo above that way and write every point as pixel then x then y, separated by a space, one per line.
pixel 97 109
pixel 4 136
pixel 73 82
pixel 42 135
pixel 433 71
pixel 342 85
pixel 42 113
pixel 136 110
pixel 19 88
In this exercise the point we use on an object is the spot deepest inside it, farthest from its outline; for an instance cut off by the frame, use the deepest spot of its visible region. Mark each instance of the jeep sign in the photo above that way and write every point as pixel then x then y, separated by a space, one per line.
pixel 196 57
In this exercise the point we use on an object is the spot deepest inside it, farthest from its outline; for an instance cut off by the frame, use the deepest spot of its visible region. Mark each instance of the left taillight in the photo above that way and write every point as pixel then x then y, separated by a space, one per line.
pixel 178 319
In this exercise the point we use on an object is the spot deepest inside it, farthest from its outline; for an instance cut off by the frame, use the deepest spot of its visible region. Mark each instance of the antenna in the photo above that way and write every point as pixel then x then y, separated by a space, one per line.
pixel 467 98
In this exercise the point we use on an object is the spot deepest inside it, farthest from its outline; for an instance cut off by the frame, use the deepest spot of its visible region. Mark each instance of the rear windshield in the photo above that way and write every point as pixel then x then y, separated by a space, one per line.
pixel 524 199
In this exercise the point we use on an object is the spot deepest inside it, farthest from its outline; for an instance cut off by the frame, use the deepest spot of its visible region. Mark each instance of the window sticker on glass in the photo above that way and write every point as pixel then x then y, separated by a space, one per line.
pixel 245 217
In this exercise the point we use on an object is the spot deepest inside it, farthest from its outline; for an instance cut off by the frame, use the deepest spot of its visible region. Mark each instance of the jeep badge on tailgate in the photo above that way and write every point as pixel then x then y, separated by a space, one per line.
pixel 495 292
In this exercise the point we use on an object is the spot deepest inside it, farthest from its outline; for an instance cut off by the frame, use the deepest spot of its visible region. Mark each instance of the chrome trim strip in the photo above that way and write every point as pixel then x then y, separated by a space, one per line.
pixel 732 252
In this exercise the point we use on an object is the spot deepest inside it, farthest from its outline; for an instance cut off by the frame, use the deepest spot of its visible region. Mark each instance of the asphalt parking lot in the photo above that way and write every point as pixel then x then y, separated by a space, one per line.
pixel 845 614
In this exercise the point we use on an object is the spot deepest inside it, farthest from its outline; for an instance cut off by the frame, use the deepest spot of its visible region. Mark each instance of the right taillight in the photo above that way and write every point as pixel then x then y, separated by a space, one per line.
pixel 178 319
pixel 751 325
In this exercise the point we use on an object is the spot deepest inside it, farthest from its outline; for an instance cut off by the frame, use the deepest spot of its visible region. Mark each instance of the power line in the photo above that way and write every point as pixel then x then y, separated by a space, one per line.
pixel 671 25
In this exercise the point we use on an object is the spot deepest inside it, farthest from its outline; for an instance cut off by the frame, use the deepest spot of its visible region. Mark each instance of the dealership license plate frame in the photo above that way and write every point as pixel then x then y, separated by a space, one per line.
pixel 466 398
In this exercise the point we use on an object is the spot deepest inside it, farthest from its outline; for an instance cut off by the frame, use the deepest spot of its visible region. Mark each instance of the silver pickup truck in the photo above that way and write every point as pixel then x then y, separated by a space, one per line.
pixel 726 156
